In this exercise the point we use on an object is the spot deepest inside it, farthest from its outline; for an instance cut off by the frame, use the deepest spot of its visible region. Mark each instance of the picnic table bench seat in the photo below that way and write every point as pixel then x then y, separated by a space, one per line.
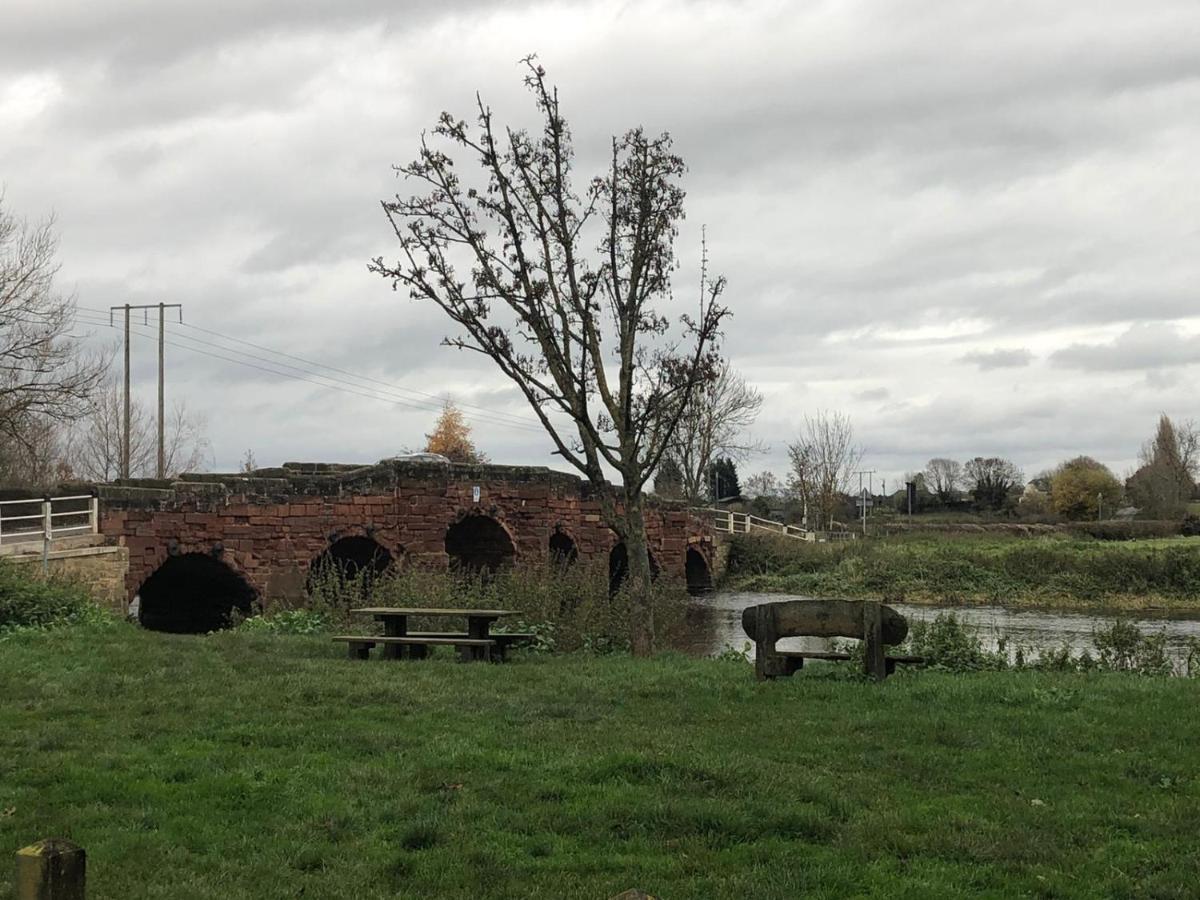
pixel 476 643
pixel 359 645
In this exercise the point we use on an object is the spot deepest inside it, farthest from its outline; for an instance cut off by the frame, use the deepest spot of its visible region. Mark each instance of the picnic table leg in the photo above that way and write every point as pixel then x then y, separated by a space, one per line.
pixel 394 626
pixel 477 627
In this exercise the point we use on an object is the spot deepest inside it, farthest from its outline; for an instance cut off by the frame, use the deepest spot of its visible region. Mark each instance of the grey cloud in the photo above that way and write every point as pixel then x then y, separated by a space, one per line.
pixel 998 359
pixel 873 395
pixel 1142 346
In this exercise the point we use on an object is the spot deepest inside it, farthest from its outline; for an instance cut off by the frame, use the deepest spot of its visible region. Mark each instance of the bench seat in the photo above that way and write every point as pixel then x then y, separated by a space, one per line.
pixel 359 646
pixel 795 659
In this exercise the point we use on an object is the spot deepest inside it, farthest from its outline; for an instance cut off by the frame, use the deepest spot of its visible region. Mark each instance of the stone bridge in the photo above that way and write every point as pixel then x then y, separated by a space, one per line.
pixel 205 544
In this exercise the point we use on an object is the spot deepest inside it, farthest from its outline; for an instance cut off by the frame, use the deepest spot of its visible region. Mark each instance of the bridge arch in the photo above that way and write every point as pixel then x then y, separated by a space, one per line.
pixel 193 593
pixel 478 543
pixel 697 572
pixel 350 558
pixel 563 551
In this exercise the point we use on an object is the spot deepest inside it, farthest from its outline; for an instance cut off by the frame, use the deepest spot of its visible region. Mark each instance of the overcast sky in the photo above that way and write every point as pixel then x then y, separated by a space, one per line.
pixel 972 226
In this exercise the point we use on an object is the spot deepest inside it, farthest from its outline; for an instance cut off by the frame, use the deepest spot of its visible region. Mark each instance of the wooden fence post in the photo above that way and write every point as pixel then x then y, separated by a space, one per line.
pixel 51 870
pixel 873 651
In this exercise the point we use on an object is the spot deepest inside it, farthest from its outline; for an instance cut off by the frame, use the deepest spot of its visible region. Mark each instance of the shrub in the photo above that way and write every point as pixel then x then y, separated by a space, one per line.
pixel 946 643
pixel 288 621
pixel 1123 648
pixel 31 602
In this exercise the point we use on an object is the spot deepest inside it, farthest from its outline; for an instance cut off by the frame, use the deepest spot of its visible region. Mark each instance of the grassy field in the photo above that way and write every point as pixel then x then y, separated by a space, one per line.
pixel 260 766
pixel 1058 570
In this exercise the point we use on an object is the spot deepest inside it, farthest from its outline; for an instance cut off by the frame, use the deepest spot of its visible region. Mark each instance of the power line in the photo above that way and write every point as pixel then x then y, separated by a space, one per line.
pixel 340 385
pixel 488 414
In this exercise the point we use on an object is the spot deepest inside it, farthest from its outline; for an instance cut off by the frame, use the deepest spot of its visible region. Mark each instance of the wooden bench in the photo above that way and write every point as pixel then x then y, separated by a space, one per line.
pixel 469 648
pixel 875 624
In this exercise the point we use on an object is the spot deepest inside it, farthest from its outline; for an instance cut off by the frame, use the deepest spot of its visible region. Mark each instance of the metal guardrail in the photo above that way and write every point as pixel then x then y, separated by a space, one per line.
pixel 43 520
pixel 731 522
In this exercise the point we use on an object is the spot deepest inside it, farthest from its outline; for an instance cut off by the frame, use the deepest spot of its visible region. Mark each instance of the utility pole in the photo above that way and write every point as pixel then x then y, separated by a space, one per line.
pixel 125 433
pixel 161 468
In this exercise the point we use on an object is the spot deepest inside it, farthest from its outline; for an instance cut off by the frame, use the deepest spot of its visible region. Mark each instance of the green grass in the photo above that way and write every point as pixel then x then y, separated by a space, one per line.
pixel 1059 570
pixel 261 766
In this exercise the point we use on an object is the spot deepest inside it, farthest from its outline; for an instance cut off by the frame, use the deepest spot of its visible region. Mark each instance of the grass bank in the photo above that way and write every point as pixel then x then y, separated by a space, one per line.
pixel 1058 571
pixel 247 765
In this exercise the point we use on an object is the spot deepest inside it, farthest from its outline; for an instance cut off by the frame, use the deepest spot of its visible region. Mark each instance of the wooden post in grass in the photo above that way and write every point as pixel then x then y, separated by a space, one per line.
pixel 873 650
pixel 51 870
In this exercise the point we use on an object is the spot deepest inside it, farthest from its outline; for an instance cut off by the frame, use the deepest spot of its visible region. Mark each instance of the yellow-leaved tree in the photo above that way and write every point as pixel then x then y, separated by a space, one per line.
pixel 451 437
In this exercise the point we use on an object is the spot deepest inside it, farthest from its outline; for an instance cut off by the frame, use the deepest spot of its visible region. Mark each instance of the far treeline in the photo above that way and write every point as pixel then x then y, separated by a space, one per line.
pixel 818 489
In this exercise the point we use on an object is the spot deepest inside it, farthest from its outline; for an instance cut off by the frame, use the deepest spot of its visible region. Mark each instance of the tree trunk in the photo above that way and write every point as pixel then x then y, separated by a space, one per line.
pixel 638 582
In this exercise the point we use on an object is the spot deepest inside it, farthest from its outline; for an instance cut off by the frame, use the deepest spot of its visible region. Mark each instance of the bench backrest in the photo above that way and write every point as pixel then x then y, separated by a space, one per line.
pixel 768 622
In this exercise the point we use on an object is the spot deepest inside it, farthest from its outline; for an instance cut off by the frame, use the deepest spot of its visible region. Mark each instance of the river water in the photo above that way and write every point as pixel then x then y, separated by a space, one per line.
pixel 715 622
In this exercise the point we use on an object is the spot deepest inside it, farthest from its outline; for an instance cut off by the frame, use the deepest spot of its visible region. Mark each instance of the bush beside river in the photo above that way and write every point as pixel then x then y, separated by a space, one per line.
pixel 1057 571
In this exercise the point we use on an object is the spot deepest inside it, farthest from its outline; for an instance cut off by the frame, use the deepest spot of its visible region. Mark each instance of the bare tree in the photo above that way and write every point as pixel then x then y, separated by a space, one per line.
pixel 248 464
pixel 1165 482
pixel 46 375
pixel 94 446
pixel 36 460
pixel 992 480
pixel 943 477
pixel 714 425
pixel 586 342
pixel 762 484
pixel 823 459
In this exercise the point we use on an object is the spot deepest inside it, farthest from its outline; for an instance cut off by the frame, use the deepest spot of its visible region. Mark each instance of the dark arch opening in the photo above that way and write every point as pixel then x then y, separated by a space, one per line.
pixel 699 577
pixel 193 594
pixel 479 544
pixel 354 558
pixel 618 567
pixel 563 551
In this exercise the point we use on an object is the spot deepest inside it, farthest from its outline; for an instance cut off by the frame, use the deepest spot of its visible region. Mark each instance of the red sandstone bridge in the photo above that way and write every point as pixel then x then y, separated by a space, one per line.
pixel 205 544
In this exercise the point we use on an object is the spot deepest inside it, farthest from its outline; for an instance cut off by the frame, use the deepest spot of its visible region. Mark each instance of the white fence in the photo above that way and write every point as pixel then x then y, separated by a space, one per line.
pixel 746 523
pixel 46 519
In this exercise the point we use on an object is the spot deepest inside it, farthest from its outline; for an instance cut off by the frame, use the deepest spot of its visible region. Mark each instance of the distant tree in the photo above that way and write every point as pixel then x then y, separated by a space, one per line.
pixel 1165 482
pixel 943 477
pixel 451 437
pixel 37 460
pixel 94 443
pixel 992 481
pixel 668 480
pixel 46 375
pixel 567 291
pixel 249 463
pixel 762 484
pixel 715 423
pixel 722 480
pixel 823 459
pixel 1035 501
pixel 1081 487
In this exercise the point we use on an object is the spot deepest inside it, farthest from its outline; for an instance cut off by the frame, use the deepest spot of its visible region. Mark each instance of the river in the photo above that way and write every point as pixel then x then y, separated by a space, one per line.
pixel 715 622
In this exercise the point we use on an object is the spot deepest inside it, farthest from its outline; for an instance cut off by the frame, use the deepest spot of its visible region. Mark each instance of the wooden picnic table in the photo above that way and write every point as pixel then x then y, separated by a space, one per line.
pixel 398 641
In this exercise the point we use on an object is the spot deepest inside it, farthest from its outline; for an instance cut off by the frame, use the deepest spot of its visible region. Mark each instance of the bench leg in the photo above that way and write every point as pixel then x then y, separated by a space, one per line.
pixel 393 651
pixel 359 650
pixel 873 656
pixel 889 666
